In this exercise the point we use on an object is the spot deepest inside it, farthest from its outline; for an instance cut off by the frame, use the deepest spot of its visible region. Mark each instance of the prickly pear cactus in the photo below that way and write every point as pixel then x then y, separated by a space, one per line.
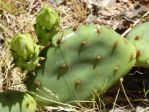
pixel 25 51
pixel 46 26
pixel 82 62
pixel 139 36
pixel 15 101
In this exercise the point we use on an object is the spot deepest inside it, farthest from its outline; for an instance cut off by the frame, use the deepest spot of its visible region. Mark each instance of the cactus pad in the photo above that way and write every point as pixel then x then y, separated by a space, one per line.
pixel 139 36
pixel 82 62
pixel 25 51
pixel 15 101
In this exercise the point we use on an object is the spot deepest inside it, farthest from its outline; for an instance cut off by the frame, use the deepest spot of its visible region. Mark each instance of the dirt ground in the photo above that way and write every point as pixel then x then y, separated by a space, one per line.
pixel 130 94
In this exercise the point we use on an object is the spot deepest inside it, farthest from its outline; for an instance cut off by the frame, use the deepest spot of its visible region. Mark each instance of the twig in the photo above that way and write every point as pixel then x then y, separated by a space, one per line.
pixel 135 23
pixel 114 104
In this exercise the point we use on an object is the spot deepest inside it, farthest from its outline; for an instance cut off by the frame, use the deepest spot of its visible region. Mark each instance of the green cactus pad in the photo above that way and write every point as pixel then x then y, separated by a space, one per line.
pixel 82 62
pixel 15 101
pixel 47 22
pixel 139 36
pixel 25 51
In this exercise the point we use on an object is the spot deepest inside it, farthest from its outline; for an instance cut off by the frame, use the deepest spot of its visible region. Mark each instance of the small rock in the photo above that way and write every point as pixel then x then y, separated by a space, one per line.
pixel 90 18
pixel 108 3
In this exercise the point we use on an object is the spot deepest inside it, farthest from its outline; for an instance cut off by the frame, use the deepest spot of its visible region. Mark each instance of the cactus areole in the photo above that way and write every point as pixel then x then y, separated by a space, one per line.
pixel 81 63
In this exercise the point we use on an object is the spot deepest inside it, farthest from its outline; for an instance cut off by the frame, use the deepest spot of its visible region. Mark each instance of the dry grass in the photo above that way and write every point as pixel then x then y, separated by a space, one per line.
pixel 11 23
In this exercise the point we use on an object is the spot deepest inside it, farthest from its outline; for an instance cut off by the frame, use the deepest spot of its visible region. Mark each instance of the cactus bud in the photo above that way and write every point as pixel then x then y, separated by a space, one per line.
pixel 25 51
pixel 46 26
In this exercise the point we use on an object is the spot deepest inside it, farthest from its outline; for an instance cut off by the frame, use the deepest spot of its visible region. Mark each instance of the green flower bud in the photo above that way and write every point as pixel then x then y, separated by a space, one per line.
pixel 47 18
pixel 47 22
pixel 25 51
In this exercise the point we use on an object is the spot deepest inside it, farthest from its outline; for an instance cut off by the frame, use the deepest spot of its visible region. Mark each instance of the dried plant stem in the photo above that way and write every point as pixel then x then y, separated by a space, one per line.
pixel 135 23
pixel 121 81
